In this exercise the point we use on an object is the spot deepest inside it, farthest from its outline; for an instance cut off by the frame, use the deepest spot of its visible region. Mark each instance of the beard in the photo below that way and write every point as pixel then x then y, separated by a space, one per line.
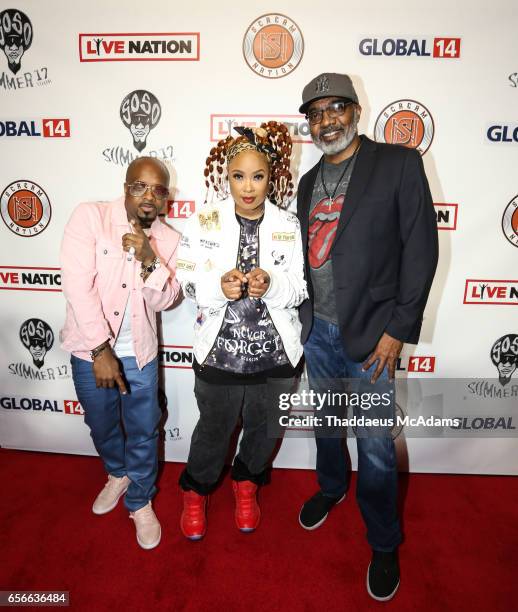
pixel 347 135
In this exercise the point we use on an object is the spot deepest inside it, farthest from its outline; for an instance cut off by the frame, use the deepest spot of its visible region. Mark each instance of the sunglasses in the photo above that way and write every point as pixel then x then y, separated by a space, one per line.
pixel 335 109
pixel 139 188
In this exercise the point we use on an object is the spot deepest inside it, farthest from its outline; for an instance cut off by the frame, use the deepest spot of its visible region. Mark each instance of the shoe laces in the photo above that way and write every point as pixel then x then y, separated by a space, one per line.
pixel 144 515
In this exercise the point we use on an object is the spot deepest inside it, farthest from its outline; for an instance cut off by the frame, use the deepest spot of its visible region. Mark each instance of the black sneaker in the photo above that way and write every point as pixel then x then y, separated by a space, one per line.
pixel 314 512
pixel 383 575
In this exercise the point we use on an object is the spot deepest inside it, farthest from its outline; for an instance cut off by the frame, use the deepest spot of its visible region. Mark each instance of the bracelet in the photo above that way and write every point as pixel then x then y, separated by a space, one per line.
pixel 99 349
pixel 151 268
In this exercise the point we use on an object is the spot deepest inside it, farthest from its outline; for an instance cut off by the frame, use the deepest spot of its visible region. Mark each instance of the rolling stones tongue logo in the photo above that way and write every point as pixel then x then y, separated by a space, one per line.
pixel 323 221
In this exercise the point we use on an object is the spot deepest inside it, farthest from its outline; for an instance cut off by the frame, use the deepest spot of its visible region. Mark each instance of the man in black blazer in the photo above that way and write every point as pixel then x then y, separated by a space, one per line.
pixel 370 243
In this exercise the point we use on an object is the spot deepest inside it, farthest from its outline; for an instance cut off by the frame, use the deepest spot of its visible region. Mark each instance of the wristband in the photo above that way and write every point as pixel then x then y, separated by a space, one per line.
pixel 151 268
pixel 98 350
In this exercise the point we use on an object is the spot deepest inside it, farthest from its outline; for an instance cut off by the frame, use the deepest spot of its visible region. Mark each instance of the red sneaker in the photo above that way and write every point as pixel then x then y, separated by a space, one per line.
pixel 194 521
pixel 247 513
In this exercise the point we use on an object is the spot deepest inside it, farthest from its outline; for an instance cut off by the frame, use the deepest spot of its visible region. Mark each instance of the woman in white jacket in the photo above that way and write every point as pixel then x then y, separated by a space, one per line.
pixel 241 261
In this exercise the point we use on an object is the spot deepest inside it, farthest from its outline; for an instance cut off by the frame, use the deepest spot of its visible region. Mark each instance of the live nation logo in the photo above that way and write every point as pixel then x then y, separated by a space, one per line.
pixel 25 278
pixel 175 356
pixel 273 46
pixel 436 48
pixel 405 122
pixel 221 125
pixel 37 337
pixel 446 216
pixel 44 128
pixel 140 112
pixel 497 292
pixel 181 46
pixel 16 37
pixel 510 221
pixel 25 208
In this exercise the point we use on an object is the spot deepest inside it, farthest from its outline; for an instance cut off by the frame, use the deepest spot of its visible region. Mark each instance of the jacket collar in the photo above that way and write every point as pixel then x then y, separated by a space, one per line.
pixel 228 209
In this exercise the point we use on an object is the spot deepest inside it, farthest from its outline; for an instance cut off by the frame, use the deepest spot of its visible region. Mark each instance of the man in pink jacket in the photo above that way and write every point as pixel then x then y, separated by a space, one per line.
pixel 118 271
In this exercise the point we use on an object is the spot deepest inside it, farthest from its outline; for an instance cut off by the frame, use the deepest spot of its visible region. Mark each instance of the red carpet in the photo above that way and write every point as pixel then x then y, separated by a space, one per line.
pixel 460 551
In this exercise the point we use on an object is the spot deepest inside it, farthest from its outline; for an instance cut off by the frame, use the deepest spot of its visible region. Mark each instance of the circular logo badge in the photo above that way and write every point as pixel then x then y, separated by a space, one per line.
pixel 510 221
pixel 25 208
pixel 405 122
pixel 273 46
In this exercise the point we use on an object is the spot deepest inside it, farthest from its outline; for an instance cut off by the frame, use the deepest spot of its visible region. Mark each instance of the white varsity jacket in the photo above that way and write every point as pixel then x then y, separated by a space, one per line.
pixel 209 248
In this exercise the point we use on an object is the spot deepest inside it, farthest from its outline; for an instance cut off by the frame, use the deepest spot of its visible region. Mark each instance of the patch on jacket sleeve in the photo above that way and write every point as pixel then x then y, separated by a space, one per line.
pixel 291 218
pixel 183 264
pixel 209 220
pixel 190 290
pixel 283 236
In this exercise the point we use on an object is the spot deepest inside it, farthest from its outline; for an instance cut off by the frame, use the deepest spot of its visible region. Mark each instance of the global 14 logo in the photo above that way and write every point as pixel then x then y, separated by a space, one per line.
pixel 437 48
pixel 180 209
pixel 38 404
pixel 46 128
pixel 421 364
pixel 503 132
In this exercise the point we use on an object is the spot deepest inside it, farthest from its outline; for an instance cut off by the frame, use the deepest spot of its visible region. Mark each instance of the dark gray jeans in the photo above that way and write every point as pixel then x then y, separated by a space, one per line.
pixel 220 407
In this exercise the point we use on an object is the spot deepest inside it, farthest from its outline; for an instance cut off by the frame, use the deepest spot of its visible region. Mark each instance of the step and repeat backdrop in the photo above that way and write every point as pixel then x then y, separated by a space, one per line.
pixel 87 87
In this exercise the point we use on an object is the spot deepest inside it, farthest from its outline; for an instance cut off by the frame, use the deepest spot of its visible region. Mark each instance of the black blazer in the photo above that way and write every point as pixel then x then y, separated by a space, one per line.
pixel 385 250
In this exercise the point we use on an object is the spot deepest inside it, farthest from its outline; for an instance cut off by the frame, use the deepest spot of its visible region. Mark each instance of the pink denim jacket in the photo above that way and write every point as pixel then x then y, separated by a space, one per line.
pixel 98 280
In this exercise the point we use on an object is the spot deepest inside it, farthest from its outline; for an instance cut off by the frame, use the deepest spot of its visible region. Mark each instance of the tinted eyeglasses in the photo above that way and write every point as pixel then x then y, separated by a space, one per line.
pixel 139 188
pixel 335 109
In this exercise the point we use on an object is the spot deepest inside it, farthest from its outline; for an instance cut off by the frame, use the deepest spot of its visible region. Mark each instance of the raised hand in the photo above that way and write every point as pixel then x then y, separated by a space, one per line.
pixel 140 242
pixel 232 284
pixel 258 282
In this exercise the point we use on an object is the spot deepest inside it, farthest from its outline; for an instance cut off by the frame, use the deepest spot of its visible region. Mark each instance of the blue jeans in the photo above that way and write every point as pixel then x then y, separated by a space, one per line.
pixel 376 490
pixel 135 454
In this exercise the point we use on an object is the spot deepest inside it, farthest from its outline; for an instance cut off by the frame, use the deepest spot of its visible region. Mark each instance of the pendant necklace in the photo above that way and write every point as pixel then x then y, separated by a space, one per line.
pixel 330 198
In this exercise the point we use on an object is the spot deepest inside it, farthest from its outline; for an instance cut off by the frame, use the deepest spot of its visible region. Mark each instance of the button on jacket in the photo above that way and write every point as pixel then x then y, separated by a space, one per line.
pixel 98 280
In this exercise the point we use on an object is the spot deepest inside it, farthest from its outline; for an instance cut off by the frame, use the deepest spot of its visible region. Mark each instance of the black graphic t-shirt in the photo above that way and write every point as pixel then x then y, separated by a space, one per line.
pixel 323 222
pixel 247 342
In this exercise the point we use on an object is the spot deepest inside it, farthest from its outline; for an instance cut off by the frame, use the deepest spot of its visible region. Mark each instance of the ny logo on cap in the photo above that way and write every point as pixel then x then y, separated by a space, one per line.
pixel 322 84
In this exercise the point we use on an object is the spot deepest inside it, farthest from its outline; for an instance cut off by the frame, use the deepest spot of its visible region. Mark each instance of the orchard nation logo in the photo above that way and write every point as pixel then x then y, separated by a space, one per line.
pixel 25 208
pixel 140 112
pixel 15 36
pixel 405 122
pixel 504 355
pixel 273 46
pixel 510 221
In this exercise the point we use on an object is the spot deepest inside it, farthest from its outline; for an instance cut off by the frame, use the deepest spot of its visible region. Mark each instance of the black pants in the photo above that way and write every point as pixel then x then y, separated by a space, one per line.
pixel 220 407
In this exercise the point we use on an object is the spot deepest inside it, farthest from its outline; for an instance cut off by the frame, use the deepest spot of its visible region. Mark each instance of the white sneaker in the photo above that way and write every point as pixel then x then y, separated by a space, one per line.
pixel 108 498
pixel 148 528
